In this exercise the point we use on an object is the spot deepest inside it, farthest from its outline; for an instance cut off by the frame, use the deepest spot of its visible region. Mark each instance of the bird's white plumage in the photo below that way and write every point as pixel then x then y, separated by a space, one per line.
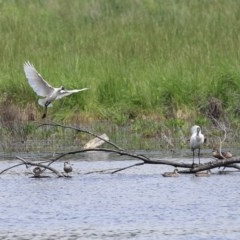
pixel 43 88
pixel 35 80
pixel 196 140
pixel 64 93
pixel 194 129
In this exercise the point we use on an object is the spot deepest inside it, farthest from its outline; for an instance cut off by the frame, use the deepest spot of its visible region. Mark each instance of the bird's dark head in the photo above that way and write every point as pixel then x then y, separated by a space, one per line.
pixel 62 88
pixel 37 171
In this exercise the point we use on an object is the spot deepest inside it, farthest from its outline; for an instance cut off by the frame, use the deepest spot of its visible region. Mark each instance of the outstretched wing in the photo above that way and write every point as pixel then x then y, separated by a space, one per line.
pixel 35 80
pixel 64 93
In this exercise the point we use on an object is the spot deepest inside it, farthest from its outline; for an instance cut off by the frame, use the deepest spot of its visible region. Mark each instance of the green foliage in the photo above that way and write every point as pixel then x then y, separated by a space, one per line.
pixel 175 123
pixel 133 55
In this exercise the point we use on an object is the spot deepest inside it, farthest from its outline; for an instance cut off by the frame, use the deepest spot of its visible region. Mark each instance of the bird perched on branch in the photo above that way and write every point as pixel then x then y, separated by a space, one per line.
pixel 67 168
pixel 196 141
pixel 37 171
pixel 44 89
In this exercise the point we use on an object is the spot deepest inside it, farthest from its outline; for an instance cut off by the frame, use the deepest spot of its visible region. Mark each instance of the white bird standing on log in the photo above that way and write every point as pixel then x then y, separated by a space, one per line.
pixel 44 89
pixel 196 141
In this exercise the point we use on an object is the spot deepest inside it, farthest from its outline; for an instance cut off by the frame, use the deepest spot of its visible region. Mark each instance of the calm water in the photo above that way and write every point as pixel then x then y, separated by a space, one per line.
pixel 137 203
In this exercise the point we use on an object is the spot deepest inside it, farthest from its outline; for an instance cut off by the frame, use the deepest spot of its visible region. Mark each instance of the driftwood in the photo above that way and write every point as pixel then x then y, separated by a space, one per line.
pixel 182 167
pixel 187 167
pixel 81 130
pixel 96 142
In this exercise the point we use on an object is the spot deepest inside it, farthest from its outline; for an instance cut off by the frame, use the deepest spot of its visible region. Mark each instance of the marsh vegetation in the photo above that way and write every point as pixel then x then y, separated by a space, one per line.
pixel 156 66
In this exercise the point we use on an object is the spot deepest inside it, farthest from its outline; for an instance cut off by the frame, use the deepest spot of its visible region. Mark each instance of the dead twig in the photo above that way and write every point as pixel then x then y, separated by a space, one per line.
pixel 121 169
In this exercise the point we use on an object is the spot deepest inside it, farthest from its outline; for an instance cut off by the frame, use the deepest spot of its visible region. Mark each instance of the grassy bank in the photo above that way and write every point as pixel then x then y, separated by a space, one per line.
pixel 145 59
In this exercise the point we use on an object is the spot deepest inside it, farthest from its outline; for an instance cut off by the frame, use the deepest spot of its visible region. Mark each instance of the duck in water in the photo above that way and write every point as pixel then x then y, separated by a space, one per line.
pixel 171 174
pixel 206 173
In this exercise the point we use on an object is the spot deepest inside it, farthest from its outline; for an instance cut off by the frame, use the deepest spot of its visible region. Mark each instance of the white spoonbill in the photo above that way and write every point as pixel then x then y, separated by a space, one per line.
pixel 196 140
pixel 44 89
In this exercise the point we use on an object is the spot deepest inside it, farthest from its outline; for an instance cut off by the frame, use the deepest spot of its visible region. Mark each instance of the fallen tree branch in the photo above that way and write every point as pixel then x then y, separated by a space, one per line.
pixel 121 169
pixel 190 168
pixel 17 165
pixel 25 162
pixel 185 167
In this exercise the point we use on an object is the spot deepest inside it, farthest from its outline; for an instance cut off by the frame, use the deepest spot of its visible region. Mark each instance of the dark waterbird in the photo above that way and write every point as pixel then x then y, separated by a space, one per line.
pixel 67 168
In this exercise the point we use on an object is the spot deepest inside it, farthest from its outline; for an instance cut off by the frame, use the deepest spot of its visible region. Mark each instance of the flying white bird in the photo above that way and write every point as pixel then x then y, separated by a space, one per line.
pixel 44 89
pixel 196 140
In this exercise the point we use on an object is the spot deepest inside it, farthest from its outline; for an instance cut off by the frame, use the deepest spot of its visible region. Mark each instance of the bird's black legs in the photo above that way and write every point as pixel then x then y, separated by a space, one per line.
pixel 45 112
pixel 199 155
pixel 193 157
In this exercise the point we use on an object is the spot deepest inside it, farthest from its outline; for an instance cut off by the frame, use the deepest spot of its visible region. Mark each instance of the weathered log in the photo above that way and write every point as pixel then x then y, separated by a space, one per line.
pixel 185 168
pixel 188 167
pixel 80 130
pixel 26 162
pixel 96 142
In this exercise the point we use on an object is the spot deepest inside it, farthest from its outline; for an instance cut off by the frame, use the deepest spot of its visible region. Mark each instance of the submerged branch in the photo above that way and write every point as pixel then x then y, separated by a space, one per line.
pixel 189 168
pixel 17 165
pixel 184 167
pixel 40 165
pixel 134 165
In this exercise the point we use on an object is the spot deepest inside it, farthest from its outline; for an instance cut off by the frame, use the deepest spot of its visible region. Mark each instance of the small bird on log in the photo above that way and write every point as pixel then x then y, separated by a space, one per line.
pixel 196 141
pixel 67 168
pixel 171 174
pixel 37 171
pixel 223 155
pixel 44 89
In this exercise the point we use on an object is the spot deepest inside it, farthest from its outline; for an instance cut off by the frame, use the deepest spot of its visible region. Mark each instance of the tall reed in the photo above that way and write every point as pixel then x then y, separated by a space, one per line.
pixel 165 57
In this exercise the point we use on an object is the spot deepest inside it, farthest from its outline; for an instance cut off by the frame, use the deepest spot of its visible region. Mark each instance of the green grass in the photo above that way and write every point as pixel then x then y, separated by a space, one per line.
pixel 137 57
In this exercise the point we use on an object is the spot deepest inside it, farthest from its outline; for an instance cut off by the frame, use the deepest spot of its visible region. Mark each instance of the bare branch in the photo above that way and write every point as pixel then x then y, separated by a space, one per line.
pixel 134 165
pixel 17 165
pixel 81 130
pixel 40 165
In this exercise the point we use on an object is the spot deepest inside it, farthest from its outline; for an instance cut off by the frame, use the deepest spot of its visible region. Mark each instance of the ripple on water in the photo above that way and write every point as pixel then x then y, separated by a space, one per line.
pixel 135 204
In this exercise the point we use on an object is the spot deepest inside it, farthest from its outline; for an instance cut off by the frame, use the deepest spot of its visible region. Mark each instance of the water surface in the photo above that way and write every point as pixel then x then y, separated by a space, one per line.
pixel 137 203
